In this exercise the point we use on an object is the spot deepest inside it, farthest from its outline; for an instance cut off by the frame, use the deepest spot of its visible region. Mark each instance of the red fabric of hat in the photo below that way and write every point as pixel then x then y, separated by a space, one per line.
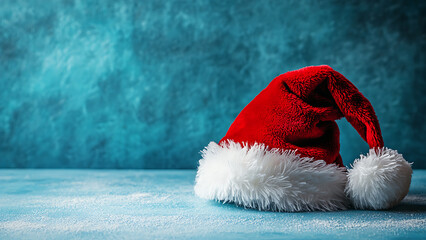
pixel 298 111
pixel 282 151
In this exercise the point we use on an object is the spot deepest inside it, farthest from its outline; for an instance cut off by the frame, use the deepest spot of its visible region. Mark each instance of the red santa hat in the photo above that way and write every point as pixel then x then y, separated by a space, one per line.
pixel 282 151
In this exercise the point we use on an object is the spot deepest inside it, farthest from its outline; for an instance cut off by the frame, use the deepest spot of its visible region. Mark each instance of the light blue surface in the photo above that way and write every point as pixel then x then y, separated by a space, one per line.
pixel 160 204
pixel 147 84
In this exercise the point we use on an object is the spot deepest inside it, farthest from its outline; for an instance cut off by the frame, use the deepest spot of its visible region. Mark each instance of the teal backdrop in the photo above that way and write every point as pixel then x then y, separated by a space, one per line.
pixel 147 84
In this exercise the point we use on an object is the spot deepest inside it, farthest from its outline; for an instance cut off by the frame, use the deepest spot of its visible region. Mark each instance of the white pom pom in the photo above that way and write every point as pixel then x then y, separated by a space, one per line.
pixel 379 180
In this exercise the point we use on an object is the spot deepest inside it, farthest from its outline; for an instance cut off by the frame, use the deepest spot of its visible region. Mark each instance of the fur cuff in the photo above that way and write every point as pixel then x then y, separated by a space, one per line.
pixel 269 179
pixel 379 180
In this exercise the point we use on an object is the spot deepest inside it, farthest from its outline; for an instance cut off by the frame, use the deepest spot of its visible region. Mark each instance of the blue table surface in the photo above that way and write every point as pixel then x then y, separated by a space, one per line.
pixel 160 204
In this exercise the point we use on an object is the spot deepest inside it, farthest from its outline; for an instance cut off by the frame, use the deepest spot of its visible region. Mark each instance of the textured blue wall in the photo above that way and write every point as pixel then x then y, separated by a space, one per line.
pixel 147 84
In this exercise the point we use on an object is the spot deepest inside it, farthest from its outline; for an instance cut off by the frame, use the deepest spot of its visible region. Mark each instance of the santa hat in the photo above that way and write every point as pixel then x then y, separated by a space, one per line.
pixel 282 151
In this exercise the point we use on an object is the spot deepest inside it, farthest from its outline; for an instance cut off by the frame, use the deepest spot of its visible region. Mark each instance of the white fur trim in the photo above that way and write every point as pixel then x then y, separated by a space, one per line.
pixel 269 179
pixel 379 180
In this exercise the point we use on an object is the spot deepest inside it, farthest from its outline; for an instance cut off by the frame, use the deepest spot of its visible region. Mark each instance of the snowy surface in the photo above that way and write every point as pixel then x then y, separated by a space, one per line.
pixel 160 204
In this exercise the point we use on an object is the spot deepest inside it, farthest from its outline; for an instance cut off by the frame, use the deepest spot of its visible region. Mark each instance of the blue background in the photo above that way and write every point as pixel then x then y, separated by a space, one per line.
pixel 147 84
